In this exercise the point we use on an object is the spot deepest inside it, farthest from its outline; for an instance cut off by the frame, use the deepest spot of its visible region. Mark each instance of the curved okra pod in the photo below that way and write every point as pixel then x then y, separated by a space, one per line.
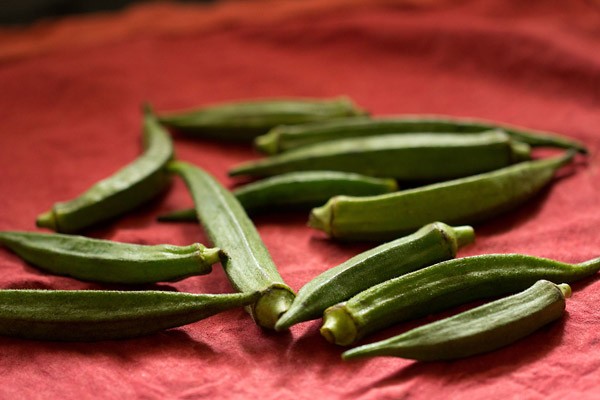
pixel 90 315
pixel 248 264
pixel 431 244
pixel 406 157
pixel 110 262
pixel 287 137
pixel 479 330
pixel 460 201
pixel 298 189
pixel 131 186
pixel 244 120
pixel 442 286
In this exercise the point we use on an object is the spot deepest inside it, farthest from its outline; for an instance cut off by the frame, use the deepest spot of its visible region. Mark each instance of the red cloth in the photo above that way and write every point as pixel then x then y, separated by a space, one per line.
pixel 69 105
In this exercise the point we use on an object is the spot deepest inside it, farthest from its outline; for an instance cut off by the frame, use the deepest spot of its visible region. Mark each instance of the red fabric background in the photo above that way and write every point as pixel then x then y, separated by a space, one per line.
pixel 70 93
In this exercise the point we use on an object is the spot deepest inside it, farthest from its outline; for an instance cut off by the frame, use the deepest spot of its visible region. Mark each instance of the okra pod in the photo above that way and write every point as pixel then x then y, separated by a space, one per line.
pixel 431 244
pixel 479 330
pixel 461 201
pixel 248 264
pixel 91 315
pixel 442 286
pixel 131 186
pixel 287 137
pixel 110 262
pixel 244 120
pixel 418 157
pixel 298 190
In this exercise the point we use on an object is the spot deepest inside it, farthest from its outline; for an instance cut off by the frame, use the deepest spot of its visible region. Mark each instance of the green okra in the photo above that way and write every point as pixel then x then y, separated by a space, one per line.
pixel 91 315
pixel 244 120
pixel 287 137
pixel 479 330
pixel 298 190
pixel 110 262
pixel 248 264
pixel 442 286
pixel 460 201
pixel 431 244
pixel 138 182
pixel 416 157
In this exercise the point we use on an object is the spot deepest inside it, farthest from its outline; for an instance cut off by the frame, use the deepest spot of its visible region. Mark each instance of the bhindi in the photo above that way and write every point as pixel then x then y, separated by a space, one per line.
pixel 247 264
pixel 479 330
pixel 135 184
pixel 442 286
pixel 431 244
pixel 107 261
pixel 287 137
pixel 460 201
pixel 298 190
pixel 407 157
pixel 244 120
pixel 91 315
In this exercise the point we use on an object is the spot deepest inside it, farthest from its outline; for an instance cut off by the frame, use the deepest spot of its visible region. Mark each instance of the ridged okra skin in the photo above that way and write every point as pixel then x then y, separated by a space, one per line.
pixel 136 183
pixel 298 190
pixel 110 262
pixel 287 137
pixel 247 264
pixel 429 245
pixel 460 201
pixel 442 286
pixel 92 315
pixel 479 330
pixel 422 157
pixel 244 120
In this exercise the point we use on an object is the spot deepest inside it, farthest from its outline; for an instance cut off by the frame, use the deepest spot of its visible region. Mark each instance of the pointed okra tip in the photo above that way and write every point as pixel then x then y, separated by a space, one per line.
pixel 288 318
pixel 565 158
pixel 269 142
pixel 147 109
pixel 368 350
pixel 47 220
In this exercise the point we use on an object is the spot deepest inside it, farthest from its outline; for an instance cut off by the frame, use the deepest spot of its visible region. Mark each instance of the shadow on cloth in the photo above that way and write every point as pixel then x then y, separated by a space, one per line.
pixel 498 362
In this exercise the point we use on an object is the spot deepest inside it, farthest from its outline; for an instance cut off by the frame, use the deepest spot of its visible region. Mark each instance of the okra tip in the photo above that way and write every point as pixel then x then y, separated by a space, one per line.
pixel 147 109
pixel 211 255
pixel 271 305
pixel 177 166
pixel 269 142
pixel 47 220
pixel 464 235
pixel 359 352
pixel 565 289
pixel 338 326
pixel 287 319
pixel 521 151
pixel 321 217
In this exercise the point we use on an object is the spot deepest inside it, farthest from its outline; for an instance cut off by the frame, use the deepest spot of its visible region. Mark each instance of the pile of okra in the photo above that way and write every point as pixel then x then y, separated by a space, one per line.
pixel 343 167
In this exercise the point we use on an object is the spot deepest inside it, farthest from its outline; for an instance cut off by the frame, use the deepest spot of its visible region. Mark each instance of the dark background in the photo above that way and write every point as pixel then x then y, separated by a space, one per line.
pixel 23 12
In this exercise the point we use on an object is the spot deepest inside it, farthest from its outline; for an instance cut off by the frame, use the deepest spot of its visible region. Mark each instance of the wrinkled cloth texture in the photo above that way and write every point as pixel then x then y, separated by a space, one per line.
pixel 70 97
